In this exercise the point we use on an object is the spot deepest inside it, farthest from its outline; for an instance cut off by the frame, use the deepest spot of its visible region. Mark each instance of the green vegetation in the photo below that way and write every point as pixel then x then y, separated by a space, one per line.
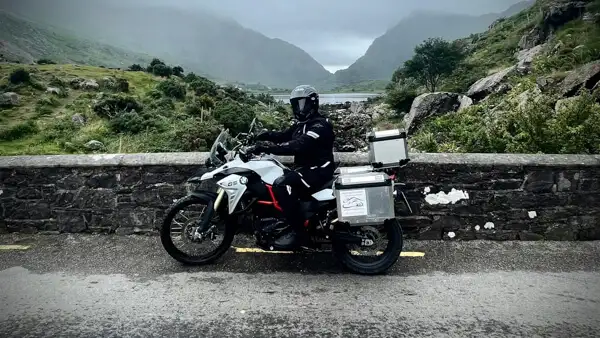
pixel 525 119
pixel 127 111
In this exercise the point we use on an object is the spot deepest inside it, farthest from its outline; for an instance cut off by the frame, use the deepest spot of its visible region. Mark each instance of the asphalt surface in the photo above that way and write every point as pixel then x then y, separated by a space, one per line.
pixel 110 286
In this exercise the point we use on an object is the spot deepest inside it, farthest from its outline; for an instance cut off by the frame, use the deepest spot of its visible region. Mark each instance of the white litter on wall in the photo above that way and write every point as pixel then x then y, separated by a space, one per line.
pixel 442 198
pixel 489 225
pixel 451 234
pixel 426 190
pixel 1 192
pixel 532 214
pixel 477 227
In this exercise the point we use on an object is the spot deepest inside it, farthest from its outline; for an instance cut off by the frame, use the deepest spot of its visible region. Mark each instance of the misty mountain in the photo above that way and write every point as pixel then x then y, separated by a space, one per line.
pixel 198 40
pixel 396 46
pixel 23 41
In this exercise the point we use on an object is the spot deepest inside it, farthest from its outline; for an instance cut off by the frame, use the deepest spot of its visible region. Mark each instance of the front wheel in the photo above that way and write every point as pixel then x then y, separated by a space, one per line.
pixel 179 227
pixel 380 256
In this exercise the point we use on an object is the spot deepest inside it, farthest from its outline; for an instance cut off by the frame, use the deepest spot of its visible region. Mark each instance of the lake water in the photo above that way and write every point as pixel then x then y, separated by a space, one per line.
pixel 333 98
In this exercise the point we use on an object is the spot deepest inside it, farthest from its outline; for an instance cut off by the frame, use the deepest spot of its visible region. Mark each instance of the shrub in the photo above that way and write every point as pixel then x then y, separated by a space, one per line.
pixel 18 131
pixel 50 101
pixel 129 122
pixel 45 62
pixel 19 76
pixel 136 68
pixel 122 85
pixel 162 70
pixel 203 86
pixel 206 101
pixel 164 104
pixel 401 96
pixel 195 135
pixel 237 117
pixel 172 88
pixel 112 104
pixel 178 71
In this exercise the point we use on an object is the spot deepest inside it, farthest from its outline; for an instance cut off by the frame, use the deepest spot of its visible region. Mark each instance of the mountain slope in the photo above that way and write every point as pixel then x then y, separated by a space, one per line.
pixel 199 41
pixel 394 47
pixel 25 42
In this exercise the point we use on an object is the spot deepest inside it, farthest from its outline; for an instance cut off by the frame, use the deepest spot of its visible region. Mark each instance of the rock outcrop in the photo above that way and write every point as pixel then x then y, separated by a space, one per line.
pixel 488 85
pixel 533 38
pixel 431 105
pixel 9 99
pixel 526 57
pixel 586 76
pixel 561 13
pixel 94 145
pixel 352 122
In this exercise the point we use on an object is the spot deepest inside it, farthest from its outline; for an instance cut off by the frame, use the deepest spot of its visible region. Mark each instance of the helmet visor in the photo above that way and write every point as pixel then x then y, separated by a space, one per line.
pixel 298 104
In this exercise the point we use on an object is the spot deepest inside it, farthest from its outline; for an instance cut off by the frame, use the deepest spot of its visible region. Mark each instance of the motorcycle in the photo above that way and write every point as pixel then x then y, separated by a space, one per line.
pixel 244 203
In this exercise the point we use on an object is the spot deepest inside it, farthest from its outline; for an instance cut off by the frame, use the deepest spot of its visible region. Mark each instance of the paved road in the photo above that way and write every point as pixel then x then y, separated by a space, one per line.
pixel 98 286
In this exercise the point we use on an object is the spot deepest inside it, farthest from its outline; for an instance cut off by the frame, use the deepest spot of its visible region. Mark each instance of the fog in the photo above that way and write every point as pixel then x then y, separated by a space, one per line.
pixel 334 32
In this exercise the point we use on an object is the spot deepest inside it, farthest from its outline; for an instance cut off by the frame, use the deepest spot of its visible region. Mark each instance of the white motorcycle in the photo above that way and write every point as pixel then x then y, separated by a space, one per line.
pixel 244 203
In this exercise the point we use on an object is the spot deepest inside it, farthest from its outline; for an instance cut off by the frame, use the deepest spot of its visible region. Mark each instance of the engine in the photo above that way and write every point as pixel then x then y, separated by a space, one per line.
pixel 265 231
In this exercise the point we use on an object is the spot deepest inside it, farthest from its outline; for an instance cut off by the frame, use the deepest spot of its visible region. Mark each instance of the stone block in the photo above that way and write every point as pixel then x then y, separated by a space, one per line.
pixel 561 232
pixel 72 221
pixel 539 181
pixel 135 218
pixel 589 185
pixel 159 195
pixel 94 199
pixel 102 180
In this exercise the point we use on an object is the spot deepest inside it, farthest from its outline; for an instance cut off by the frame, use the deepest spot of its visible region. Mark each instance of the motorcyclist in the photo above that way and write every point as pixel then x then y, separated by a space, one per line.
pixel 310 140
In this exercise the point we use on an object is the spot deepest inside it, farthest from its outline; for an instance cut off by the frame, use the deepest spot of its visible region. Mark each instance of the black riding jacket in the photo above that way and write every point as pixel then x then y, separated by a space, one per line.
pixel 310 142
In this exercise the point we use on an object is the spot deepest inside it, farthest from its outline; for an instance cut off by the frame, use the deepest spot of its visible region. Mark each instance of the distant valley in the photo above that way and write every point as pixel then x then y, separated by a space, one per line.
pixel 215 47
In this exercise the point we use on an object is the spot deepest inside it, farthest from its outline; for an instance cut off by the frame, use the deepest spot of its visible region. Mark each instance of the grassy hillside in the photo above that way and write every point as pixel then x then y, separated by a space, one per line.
pixel 26 42
pixel 396 46
pixel 529 112
pixel 85 109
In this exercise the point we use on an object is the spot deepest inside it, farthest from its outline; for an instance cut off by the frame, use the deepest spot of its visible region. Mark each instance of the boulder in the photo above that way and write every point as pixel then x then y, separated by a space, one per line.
pixel 78 119
pixel 350 128
pixel 565 103
pixel 53 90
pixel 484 87
pixel 526 57
pixel 528 96
pixel 465 102
pixel 379 111
pixel 586 76
pixel 533 38
pixel 94 145
pixel 545 83
pixel 9 99
pixel 430 105
pixel 90 84
pixel 561 13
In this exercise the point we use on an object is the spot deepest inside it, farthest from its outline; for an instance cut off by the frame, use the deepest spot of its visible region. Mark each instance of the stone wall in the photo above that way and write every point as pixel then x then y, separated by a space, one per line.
pixel 453 196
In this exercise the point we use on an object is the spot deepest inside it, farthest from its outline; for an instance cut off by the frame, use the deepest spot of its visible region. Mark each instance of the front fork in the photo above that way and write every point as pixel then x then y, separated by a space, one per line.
pixel 212 208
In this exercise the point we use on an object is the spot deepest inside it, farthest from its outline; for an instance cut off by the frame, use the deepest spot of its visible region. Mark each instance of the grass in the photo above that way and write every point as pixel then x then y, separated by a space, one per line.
pixel 152 115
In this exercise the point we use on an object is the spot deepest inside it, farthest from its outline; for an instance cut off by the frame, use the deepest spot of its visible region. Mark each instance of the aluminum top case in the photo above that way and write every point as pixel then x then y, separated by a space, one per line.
pixel 364 198
pixel 388 149
pixel 354 170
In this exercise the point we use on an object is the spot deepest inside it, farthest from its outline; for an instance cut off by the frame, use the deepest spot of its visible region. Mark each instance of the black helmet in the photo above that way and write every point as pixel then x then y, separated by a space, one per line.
pixel 305 102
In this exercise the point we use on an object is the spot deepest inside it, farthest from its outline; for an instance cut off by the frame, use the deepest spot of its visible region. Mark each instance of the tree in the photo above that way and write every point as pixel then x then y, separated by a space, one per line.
pixel 178 71
pixel 433 59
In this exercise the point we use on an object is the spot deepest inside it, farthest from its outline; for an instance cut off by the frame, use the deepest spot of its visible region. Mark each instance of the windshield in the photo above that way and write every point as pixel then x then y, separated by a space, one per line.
pixel 222 143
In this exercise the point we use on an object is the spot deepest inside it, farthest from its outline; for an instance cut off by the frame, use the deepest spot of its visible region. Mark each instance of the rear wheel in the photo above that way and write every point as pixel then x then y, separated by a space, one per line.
pixel 180 224
pixel 376 258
